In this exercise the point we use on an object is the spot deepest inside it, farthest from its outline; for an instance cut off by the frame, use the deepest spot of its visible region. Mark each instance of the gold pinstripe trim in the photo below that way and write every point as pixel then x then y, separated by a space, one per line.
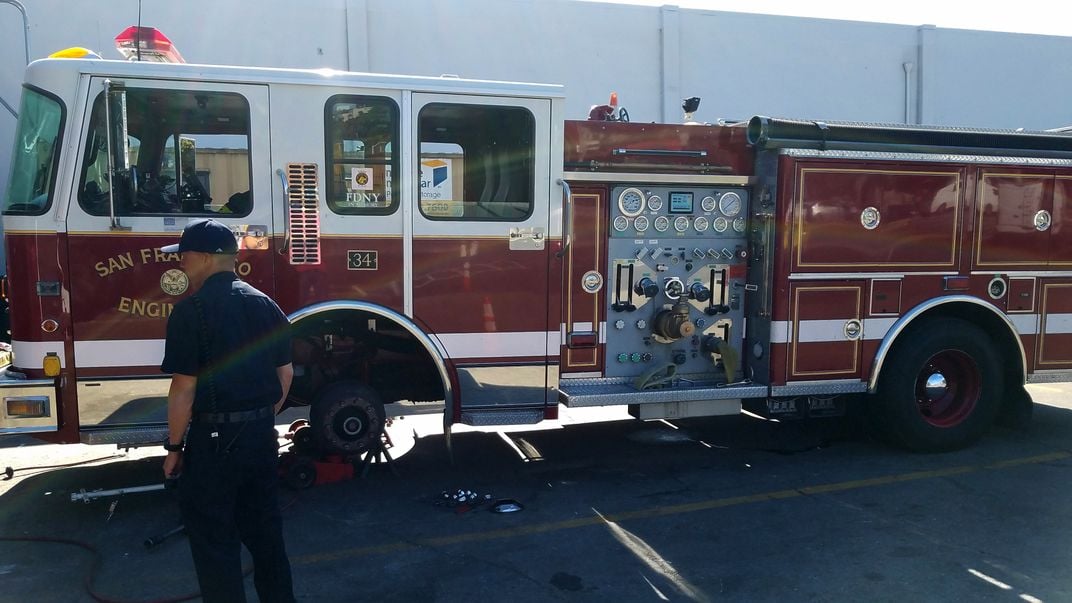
pixel 796 332
pixel 980 206
pixel 1054 208
pixel 569 286
pixel 798 219
pixel 1040 345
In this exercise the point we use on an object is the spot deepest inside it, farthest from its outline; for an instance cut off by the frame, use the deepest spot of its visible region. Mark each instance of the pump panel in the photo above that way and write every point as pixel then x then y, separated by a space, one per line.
pixel 676 282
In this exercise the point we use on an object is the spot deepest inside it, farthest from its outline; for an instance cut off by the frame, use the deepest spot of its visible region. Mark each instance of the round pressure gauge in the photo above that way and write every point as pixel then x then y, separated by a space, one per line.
pixel 621 223
pixel 681 223
pixel 720 224
pixel 655 202
pixel 729 204
pixel 708 203
pixel 640 223
pixel 700 223
pixel 662 223
pixel 739 224
pixel 631 202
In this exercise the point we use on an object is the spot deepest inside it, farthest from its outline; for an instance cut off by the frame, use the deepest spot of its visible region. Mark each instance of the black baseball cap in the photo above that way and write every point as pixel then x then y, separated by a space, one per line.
pixel 206 236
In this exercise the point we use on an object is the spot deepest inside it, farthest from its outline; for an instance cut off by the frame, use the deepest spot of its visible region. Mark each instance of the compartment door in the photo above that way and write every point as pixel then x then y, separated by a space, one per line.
pixel 1055 332
pixel 826 329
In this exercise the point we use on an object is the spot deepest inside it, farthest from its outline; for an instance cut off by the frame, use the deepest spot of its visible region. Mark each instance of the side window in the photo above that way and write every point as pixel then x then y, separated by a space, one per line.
pixel 361 134
pixel 36 154
pixel 189 151
pixel 477 162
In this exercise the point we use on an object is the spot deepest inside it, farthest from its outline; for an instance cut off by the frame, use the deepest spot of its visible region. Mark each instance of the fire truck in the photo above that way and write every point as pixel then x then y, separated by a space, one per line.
pixel 457 246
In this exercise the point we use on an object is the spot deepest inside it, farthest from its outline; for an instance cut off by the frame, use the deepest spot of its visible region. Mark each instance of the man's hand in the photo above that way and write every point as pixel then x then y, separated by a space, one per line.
pixel 180 409
pixel 172 465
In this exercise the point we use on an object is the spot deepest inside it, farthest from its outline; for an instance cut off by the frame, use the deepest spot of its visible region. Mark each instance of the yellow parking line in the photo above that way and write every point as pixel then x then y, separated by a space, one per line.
pixel 663 511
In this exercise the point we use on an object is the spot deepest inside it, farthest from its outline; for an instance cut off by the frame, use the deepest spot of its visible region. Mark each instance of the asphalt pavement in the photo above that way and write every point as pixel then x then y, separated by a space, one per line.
pixel 713 509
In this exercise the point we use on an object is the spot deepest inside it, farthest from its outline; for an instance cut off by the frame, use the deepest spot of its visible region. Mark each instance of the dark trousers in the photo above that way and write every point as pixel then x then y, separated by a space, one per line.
pixel 229 497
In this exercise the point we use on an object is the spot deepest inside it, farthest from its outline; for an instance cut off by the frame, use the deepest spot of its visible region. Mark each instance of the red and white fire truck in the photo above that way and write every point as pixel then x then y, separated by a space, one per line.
pixel 458 245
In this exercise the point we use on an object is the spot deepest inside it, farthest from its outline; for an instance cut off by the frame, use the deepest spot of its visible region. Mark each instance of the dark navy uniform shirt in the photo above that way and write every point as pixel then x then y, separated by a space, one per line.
pixel 248 337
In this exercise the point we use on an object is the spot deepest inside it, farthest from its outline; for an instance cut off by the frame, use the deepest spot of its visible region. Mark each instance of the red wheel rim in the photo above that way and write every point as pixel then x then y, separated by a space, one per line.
pixel 948 388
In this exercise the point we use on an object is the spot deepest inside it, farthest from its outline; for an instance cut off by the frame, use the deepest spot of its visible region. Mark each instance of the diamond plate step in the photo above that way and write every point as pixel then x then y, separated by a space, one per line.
pixel 619 391
pixel 124 436
pixel 488 417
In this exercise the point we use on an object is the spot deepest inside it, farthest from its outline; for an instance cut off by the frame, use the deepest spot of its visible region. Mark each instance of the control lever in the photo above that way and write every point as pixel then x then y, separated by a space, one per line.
pixel 619 305
pixel 714 309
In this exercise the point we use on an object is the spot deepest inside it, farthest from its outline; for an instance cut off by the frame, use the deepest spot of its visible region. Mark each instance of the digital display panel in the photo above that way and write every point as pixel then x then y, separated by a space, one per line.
pixel 681 203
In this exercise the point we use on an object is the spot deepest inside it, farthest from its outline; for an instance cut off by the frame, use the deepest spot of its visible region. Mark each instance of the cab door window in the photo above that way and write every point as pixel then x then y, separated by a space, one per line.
pixel 477 162
pixel 189 154
pixel 361 134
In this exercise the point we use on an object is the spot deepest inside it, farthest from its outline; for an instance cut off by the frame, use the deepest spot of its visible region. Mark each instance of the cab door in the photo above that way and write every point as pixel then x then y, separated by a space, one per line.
pixel 479 243
pixel 192 150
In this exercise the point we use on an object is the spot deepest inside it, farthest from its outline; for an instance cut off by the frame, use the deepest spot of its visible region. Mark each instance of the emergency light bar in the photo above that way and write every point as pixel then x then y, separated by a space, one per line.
pixel 147 44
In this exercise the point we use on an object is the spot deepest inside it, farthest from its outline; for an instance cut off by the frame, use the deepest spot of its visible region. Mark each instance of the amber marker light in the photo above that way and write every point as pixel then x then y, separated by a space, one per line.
pixel 51 365
pixel 27 408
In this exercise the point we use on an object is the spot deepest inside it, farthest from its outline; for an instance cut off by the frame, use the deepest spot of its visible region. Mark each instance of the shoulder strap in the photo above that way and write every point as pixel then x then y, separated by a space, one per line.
pixel 205 352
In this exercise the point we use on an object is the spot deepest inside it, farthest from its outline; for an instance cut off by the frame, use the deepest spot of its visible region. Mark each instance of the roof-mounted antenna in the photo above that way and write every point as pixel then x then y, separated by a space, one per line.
pixel 137 37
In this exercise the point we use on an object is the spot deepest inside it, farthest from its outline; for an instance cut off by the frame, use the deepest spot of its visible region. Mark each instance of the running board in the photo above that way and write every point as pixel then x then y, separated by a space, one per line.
pixel 125 436
pixel 483 417
pixel 619 391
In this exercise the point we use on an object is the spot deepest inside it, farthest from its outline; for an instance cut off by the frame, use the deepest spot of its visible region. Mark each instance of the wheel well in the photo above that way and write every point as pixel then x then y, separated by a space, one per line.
pixel 354 344
pixel 1006 342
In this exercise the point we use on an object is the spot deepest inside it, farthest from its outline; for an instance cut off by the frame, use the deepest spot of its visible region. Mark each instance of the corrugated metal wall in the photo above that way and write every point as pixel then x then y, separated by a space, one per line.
pixel 741 64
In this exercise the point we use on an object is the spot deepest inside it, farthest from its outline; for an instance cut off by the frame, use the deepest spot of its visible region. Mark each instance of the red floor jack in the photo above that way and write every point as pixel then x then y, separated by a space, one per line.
pixel 302 466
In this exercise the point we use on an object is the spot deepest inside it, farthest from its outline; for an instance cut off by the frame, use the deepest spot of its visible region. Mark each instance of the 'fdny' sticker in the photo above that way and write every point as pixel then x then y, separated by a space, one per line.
pixel 362 260
pixel 361 179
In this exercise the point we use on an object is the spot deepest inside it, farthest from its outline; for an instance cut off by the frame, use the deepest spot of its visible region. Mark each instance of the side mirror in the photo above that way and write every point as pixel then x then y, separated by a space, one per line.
pixel 115 111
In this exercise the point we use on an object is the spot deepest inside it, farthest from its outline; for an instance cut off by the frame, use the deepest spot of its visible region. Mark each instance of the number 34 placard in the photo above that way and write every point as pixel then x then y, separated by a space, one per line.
pixel 362 260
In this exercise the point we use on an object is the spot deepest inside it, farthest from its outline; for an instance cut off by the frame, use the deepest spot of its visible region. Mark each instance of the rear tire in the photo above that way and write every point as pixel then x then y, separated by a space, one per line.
pixel 1016 409
pixel 941 387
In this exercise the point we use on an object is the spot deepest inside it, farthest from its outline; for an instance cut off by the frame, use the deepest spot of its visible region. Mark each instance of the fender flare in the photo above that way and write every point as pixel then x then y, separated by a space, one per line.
pixel 904 321
pixel 431 345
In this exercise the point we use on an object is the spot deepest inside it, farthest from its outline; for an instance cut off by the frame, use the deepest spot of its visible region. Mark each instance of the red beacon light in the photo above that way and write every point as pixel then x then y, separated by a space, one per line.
pixel 149 43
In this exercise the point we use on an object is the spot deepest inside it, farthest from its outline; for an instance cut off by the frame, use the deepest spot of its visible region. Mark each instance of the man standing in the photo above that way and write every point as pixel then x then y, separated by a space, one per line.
pixel 228 350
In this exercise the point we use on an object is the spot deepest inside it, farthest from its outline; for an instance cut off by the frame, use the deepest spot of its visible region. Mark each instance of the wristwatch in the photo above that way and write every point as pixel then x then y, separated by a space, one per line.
pixel 173 447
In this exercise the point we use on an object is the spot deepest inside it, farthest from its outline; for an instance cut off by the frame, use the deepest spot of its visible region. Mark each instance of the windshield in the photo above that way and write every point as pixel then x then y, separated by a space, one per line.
pixel 33 160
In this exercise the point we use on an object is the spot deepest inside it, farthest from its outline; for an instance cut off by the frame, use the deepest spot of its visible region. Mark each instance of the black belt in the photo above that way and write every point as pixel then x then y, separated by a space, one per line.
pixel 238 416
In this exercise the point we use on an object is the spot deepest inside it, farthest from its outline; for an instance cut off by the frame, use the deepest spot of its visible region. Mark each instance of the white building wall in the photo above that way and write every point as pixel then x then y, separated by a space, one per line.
pixel 741 64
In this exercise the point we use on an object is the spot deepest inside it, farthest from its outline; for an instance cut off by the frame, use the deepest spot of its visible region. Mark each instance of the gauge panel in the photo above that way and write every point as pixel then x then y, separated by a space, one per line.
pixel 676 268
pixel 631 202
pixel 730 204
pixel 687 211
